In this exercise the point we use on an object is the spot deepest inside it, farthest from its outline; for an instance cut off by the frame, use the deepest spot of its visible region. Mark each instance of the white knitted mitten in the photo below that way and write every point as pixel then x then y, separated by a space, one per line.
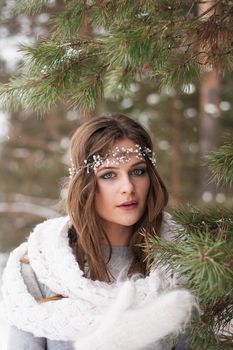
pixel 133 329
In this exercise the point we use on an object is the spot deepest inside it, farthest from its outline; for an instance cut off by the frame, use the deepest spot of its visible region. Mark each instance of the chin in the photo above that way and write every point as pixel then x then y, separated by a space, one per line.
pixel 128 223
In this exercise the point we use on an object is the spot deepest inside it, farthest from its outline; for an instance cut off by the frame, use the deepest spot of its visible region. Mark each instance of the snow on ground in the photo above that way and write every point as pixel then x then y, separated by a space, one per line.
pixel 3 326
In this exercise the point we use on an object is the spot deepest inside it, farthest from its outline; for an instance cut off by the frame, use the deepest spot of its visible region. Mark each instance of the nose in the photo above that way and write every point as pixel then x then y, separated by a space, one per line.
pixel 127 185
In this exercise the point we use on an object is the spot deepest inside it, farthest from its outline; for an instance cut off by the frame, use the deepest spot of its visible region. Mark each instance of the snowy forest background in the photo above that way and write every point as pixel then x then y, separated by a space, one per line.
pixel 186 123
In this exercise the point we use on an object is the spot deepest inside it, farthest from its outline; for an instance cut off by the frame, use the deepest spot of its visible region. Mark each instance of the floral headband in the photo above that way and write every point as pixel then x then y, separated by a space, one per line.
pixel 117 156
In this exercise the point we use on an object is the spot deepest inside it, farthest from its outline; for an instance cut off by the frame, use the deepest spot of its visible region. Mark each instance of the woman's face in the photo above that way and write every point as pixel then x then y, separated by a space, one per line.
pixel 122 191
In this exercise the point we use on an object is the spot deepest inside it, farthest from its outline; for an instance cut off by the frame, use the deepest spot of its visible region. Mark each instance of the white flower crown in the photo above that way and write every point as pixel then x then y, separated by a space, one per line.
pixel 116 156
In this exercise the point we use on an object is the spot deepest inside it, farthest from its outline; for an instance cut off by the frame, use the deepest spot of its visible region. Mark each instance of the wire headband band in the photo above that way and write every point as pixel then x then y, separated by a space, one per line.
pixel 119 155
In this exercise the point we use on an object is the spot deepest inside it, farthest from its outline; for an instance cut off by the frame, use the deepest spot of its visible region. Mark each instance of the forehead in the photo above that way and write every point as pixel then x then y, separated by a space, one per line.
pixel 124 152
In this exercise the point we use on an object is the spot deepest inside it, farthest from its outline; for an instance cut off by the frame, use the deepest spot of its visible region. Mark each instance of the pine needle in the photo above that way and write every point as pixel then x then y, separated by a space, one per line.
pixel 221 164
pixel 136 40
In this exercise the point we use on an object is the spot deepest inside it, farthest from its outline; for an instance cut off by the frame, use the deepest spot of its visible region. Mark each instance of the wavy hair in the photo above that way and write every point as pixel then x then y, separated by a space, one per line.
pixel 98 136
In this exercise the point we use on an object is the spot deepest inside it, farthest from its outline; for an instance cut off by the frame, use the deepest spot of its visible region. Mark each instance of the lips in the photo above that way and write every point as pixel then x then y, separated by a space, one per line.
pixel 128 205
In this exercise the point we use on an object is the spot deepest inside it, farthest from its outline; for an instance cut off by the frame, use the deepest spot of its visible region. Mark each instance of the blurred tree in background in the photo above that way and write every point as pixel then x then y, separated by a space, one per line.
pixel 33 149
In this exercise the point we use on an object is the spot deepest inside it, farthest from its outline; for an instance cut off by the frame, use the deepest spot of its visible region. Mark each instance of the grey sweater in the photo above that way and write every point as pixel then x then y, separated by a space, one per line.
pixel 21 340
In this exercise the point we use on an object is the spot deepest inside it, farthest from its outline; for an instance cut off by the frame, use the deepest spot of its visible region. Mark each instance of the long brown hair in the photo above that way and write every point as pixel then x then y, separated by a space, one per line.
pixel 98 136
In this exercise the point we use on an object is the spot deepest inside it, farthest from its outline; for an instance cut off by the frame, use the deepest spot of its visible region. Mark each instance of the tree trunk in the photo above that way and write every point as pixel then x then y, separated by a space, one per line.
pixel 175 179
pixel 209 98
pixel 85 32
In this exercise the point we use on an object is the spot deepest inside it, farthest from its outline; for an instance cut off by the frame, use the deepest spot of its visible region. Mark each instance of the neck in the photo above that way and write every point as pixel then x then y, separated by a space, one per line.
pixel 118 235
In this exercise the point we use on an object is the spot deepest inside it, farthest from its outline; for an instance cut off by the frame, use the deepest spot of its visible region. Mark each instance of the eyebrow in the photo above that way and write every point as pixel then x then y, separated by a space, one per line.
pixel 112 167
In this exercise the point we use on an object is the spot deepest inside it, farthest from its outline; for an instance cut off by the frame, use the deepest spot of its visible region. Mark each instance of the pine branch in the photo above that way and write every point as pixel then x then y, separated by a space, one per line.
pixel 221 164
pixel 162 40
pixel 29 6
pixel 202 256
pixel 54 72
pixel 180 70
pixel 203 336
pixel 214 221
pixel 87 94
pixel 67 24
pixel 204 261
pixel 37 95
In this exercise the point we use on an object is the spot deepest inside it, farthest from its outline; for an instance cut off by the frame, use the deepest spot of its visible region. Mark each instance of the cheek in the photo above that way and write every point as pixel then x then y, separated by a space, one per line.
pixel 103 204
pixel 102 196
pixel 99 204
pixel 145 189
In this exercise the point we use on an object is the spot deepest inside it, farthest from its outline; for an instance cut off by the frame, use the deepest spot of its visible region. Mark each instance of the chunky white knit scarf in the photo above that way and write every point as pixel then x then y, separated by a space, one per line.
pixel 98 316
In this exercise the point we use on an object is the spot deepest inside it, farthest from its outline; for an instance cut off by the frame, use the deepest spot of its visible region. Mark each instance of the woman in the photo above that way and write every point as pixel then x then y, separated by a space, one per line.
pixel 84 281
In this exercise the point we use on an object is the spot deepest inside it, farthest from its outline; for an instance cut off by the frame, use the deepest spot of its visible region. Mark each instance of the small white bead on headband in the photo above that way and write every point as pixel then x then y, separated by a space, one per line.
pixel 117 156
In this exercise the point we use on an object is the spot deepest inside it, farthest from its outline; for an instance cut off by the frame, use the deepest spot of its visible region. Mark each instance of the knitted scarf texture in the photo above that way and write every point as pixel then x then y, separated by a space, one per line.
pixel 127 314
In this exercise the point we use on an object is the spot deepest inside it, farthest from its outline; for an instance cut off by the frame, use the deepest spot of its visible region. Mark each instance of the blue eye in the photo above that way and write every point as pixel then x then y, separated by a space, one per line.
pixel 138 171
pixel 107 176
